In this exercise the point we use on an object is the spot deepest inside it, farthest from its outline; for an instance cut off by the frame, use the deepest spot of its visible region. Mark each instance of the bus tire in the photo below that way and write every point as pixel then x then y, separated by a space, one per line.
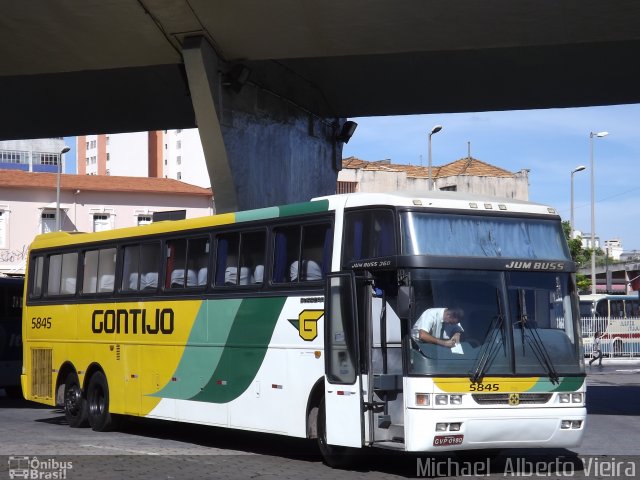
pixel 100 419
pixel 75 405
pixel 333 455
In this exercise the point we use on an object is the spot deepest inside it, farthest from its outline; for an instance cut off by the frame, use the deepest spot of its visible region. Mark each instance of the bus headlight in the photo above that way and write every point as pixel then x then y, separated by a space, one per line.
pixel 442 399
pixel 577 398
pixel 423 399
pixel 564 398
pixel 455 399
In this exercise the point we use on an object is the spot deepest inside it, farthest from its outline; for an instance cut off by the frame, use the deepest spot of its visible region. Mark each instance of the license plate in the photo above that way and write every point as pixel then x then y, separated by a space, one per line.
pixel 446 440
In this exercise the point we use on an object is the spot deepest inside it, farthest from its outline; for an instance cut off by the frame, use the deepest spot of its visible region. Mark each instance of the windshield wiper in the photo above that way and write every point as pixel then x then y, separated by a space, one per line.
pixel 535 342
pixel 490 346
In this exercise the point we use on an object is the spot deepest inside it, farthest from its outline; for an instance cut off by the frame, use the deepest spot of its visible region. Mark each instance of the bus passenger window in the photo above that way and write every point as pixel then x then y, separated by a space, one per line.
pixel 227 259
pixel 140 267
pixel 252 248
pixel 99 271
pixel 176 263
pixel 286 252
pixel 36 286
pixel 62 274
pixel 197 261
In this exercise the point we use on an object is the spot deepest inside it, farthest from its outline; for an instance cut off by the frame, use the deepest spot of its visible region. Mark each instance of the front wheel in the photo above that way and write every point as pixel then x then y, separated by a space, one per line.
pixel 333 455
pixel 100 419
pixel 75 406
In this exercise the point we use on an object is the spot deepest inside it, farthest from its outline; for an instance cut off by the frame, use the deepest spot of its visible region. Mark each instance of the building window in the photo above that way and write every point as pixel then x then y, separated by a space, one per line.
pixel 178 159
pixel 3 229
pixel 179 175
pixel 108 156
pixel 449 188
pixel 347 187
pixel 13 157
pixel 144 219
pixel 101 222
pixel 48 222
pixel 179 144
pixel 40 158
pixel 165 161
pixel 88 145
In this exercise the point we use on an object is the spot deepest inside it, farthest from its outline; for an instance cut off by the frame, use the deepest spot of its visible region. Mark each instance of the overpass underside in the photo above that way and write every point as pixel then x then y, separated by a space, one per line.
pixel 269 84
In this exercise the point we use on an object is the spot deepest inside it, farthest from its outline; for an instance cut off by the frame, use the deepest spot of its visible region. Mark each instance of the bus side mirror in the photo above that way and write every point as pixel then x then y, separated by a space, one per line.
pixel 405 302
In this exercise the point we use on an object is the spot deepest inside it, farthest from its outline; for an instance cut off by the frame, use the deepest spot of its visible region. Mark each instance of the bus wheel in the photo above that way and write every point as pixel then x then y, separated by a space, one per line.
pixel 334 456
pixel 75 406
pixel 98 404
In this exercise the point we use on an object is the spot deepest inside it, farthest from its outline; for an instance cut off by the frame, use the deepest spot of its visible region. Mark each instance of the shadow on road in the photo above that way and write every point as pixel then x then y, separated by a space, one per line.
pixel 613 400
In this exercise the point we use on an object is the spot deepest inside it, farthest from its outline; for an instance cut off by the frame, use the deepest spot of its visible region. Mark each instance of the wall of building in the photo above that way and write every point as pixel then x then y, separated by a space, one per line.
pixel 516 187
pixel 185 158
pixel 23 208
pixel 28 148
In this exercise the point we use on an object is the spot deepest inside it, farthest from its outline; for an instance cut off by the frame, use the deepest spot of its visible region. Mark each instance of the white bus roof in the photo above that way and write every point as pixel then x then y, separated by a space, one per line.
pixel 440 200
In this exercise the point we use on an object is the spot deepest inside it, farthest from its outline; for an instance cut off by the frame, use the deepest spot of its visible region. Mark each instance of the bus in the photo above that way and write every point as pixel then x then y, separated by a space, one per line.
pixel 298 319
pixel 617 317
pixel 11 334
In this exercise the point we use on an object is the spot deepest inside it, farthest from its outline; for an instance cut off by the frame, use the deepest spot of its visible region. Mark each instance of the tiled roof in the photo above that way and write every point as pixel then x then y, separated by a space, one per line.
pixel 465 166
pixel 102 183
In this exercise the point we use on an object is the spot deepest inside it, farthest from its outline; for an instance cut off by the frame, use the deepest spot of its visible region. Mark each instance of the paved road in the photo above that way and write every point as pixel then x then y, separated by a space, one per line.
pixel 157 450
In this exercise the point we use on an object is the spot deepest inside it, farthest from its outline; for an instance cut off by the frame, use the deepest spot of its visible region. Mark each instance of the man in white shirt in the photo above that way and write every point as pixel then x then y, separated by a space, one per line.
pixel 440 326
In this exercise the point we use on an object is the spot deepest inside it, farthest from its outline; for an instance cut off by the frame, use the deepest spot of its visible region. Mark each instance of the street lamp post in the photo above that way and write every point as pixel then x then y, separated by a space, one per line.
pixel 435 129
pixel 593 210
pixel 62 152
pixel 571 224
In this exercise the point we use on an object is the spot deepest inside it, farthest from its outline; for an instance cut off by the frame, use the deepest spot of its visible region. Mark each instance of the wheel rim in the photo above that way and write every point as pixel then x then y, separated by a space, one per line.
pixel 73 400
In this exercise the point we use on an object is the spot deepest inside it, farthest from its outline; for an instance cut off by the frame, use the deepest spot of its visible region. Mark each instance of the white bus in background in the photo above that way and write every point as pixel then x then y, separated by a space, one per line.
pixel 618 317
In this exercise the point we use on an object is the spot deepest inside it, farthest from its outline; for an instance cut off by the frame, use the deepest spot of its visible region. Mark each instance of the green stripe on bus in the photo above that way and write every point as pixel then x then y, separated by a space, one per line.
pixel 244 352
pixel 259 214
pixel 567 384
pixel 304 208
pixel 202 354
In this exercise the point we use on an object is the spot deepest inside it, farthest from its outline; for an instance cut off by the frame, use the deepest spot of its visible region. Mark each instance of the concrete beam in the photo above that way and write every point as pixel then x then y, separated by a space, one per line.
pixel 261 148
pixel 201 65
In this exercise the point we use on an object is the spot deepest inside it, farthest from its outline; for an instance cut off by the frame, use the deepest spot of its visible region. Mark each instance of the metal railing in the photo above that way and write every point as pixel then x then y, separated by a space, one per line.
pixel 621 336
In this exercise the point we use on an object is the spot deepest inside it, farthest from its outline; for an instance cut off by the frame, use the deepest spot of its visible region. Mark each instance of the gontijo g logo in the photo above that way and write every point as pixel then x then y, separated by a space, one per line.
pixel 307 324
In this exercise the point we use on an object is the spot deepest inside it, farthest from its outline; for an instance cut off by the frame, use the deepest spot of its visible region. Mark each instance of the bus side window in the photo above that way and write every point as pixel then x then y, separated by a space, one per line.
pixel 368 234
pixel 36 285
pixel 286 253
pixel 62 274
pixel 99 271
pixel 227 259
pixel 252 253
pixel 176 272
pixel 316 252
pixel 601 309
pixel 140 267
pixel 617 308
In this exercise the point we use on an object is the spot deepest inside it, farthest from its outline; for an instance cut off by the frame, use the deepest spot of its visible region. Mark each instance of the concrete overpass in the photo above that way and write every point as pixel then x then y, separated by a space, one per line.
pixel 269 83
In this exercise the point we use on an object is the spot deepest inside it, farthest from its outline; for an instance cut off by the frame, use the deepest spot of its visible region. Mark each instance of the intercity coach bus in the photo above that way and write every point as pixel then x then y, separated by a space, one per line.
pixel 298 320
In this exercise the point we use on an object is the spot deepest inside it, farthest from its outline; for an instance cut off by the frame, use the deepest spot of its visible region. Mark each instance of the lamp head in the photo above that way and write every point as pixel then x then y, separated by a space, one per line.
pixel 578 169
pixel 346 132
pixel 436 129
pixel 65 150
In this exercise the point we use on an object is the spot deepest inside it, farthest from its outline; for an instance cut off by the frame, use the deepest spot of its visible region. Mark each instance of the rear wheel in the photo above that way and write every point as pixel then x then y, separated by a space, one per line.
pixel 75 406
pixel 100 419
pixel 333 455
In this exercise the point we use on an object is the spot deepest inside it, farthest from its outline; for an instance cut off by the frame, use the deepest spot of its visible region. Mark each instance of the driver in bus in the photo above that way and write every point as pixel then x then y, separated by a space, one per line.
pixel 440 326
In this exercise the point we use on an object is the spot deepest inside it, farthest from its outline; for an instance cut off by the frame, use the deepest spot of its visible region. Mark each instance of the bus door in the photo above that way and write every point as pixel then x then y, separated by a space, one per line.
pixel 385 381
pixel 343 384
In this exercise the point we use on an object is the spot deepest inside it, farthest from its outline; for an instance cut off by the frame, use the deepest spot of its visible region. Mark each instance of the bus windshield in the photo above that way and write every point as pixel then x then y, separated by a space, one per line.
pixel 511 323
pixel 482 236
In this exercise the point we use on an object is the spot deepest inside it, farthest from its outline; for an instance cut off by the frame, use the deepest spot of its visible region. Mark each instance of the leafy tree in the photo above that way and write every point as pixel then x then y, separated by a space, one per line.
pixel 580 255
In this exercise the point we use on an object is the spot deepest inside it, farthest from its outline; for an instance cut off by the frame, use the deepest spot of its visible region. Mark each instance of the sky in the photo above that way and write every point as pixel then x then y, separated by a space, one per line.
pixel 550 143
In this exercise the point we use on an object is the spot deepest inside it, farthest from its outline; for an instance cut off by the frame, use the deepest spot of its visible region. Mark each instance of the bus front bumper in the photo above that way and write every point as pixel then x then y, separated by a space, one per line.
pixel 434 430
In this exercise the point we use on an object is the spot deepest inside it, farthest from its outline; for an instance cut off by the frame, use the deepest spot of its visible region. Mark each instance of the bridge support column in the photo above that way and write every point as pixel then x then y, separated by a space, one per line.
pixel 260 148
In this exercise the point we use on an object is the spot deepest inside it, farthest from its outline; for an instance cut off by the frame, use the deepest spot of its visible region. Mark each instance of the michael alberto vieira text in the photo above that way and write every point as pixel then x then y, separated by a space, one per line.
pixel 521 467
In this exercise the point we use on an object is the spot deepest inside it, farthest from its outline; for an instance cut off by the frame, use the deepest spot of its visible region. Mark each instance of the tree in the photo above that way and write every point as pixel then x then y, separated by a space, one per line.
pixel 580 255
